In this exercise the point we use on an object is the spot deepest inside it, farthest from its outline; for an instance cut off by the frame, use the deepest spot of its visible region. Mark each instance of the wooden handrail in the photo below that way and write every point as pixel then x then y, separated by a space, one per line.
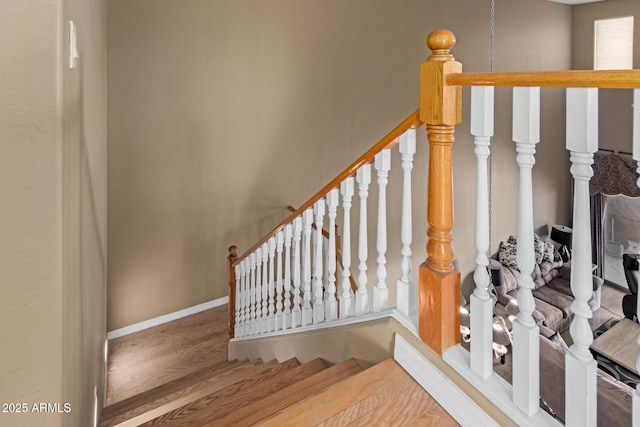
pixel 604 79
pixel 389 141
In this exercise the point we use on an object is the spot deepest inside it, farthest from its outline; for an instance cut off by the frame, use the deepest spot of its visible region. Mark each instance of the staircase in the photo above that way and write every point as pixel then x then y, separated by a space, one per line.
pixel 264 393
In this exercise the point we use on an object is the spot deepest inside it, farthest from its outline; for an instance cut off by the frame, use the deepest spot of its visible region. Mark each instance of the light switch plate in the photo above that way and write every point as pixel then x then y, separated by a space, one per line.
pixel 73 46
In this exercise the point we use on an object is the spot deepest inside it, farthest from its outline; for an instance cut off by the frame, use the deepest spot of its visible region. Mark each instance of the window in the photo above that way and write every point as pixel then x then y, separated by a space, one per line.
pixel 613 44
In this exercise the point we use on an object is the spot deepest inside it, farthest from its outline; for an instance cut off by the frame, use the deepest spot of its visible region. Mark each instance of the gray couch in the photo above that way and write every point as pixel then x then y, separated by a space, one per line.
pixel 551 278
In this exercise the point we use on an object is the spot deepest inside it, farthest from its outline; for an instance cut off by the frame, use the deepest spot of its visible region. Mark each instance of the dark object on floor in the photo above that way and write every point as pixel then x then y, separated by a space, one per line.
pixel 631 263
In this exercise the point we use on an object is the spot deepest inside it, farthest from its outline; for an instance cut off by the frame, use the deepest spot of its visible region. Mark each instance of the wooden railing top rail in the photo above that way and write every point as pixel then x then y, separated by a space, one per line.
pixel 604 79
pixel 389 141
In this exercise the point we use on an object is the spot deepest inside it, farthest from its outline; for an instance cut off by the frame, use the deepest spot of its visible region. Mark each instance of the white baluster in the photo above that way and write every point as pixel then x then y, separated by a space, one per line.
pixel 380 290
pixel 265 288
pixel 279 286
pixel 318 303
pixel 252 294
pixel 406 291
pixel 288 235
pixel 307 218
pixel 296 313
pixel 526 347
pixel 258 322
pixel 481 302
pixel 363 176
pixel 581 368
pixel 346 300
pixel 272 285
pixel 238 296
pixel 636 157
pixel 331 305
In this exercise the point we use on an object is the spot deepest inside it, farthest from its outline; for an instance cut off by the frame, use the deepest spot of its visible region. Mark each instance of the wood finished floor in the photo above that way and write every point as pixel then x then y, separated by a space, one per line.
pixel 147 359
pixel 182 366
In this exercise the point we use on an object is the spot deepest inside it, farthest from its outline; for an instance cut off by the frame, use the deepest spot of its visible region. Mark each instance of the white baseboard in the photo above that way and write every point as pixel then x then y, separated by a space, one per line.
pixel 117 333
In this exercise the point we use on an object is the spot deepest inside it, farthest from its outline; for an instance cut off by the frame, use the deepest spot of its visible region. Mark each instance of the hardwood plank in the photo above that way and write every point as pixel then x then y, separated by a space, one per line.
pixel 134 378
pixel 205 381
pixel 260 391
pixel 394 404
pixel 152 347
pixel 173 335
pixel 432 420
pixel 360 409
pixel 259 409
pixel 163 389
pixel 140 358
pixel 198 391
pixel 212 320
pixel 318 408
pixel 193 413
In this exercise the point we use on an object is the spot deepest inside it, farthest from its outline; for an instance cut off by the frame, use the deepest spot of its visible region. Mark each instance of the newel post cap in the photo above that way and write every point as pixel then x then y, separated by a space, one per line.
pixel 440 42
pixel 233 251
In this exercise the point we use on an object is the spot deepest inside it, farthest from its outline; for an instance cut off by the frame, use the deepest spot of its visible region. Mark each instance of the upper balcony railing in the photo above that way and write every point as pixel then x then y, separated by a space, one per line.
pixel 581 392
pixel 289 279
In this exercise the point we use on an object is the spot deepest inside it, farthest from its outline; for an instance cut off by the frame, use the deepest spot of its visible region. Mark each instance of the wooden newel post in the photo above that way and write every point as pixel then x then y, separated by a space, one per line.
pixel 232 258
pixel 441 110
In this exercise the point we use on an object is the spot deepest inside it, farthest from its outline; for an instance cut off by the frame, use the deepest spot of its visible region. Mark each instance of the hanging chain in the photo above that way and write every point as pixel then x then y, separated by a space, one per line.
pixel 492 39
pixel 492 33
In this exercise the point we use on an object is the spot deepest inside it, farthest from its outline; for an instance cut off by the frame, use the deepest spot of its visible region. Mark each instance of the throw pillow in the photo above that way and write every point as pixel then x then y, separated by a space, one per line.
pixel 507 254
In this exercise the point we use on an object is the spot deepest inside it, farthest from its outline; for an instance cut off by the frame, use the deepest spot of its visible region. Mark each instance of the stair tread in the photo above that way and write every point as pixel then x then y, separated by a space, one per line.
pixel 149 358
pixel 198 391
pixel 205 409
pixel 259 409
pixel 397 403
pixel 134 380
pixel 214 376
pixel 171 385
pixel 316 409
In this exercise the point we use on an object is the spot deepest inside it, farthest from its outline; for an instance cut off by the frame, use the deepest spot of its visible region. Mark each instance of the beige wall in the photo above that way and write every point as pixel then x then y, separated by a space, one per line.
pixel 615 131
pixel 84 157
pixel 210 102
pixel 30 238
pixel 53 215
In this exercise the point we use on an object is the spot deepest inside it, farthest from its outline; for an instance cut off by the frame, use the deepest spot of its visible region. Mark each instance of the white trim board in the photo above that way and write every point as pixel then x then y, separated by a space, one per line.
pixel 456 402
pixel 136 327
pixel 408 322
